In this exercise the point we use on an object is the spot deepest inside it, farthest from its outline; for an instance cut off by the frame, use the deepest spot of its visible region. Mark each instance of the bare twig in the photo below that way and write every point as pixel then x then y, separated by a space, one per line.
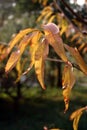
pixel 58 60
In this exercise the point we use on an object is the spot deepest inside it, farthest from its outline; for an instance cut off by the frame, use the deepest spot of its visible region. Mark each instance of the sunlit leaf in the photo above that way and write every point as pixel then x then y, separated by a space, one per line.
pixel 45 11
pixel 63 25
pixel 51 18
pixel 12 61
pixel 68 80
pixel 52 35
pixel 75 36
pixel 78 58
pixel 18 37
pixel 75 116
pixel 33 47
pixel 40 56
pixel 19 70
pixel 3 51
pixel 81 46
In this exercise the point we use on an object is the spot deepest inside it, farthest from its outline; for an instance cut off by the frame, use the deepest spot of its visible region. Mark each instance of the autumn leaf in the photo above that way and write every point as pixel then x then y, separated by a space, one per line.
pixel 40 55
pixel 12 61
pixel 63 25
pixel 52 35
pixel 34 42
pixel 18 37
pixel 19 70
pixel 78 58
pixel 75 116
pixel 68 80
pixel 3 51
pixel 47 10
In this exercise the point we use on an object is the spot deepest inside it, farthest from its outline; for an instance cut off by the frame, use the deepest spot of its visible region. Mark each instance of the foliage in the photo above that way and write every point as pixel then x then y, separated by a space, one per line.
pixel 39 41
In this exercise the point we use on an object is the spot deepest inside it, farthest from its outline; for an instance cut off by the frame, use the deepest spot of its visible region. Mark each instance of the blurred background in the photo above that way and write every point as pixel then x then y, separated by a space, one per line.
pixel 24 105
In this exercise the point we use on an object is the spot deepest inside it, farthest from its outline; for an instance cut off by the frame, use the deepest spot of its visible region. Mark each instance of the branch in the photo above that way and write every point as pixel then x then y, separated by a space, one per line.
pixel 73 13
pixel 58 60
pixel 57 6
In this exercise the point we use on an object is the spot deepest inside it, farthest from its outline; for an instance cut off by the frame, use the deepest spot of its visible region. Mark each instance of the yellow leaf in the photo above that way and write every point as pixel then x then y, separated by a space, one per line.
pixel 18 37
pixel 52 35
pixel 75 116
pixel 63 26
pixel 3 51
pixel 44 12
pixel 77 112
pixel 81 46
pixel 39 69
pixel 24 42
pixel 42 50
pixel 33 47
pixel 75 37
pixel 68 80
pixel 78 58
pixel 19 70
pixel 40 56
pixel 51 18
pixel 76 121
pixel 12 61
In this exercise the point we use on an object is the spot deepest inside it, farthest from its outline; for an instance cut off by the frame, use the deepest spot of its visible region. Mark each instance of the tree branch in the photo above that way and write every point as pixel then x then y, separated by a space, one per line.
pixel 58 60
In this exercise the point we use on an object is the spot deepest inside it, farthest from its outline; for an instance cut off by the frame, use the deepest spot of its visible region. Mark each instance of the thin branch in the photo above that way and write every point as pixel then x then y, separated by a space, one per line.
pixel 58 60
pixel 54 60
pixel 57 6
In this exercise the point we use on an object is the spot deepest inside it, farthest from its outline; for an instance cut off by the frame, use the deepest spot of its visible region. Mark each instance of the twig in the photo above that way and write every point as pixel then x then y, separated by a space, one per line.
pixel 55 60
pixel 58 60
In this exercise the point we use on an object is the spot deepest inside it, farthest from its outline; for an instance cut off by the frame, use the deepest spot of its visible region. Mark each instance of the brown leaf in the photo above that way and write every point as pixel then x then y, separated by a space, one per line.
pixel 68 80
pixel 52 35
pixel 78 58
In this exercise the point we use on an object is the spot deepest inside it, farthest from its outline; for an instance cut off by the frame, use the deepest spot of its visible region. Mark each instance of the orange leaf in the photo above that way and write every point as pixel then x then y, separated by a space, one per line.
pixel 68 81
pixel 78 58
pixel 40 56
pixel 52 35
